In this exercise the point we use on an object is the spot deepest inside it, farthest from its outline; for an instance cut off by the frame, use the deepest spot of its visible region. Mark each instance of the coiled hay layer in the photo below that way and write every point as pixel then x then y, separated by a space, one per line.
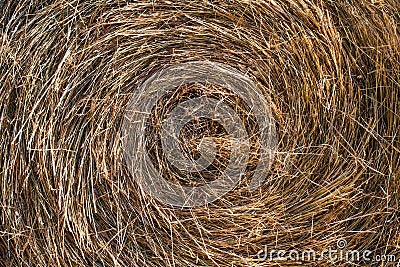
pixel 329 70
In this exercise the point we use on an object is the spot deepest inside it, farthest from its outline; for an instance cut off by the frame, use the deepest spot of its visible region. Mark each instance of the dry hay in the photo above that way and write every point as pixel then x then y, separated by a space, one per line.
pixel 329 70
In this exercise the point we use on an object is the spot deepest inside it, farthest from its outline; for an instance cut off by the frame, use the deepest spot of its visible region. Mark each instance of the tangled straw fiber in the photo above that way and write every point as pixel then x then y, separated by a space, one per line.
pixel 329 71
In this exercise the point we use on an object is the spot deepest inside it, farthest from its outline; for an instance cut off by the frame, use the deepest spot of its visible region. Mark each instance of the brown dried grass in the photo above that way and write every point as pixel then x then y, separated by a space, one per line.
pixel 329 69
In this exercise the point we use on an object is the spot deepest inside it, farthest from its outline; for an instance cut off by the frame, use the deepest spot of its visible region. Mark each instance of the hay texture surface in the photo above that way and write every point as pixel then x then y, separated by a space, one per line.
pixel 329 71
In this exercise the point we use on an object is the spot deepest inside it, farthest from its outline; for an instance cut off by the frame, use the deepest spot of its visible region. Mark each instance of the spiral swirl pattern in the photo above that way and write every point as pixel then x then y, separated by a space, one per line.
pixel 74 189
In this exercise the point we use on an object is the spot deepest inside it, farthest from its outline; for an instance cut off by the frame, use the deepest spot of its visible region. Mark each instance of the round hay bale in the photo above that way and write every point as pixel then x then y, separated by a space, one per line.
pixel 328 75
